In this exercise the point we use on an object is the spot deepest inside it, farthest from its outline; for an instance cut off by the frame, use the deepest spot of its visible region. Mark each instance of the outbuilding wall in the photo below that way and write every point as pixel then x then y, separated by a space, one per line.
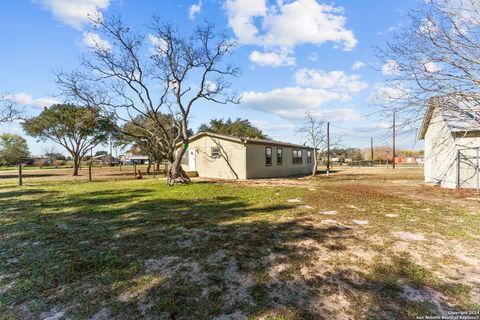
pixel 442 147
pixel 468 145
pixel 440 154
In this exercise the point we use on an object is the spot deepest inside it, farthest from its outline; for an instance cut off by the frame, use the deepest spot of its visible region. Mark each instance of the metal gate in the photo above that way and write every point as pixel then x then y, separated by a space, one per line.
pixel 468 160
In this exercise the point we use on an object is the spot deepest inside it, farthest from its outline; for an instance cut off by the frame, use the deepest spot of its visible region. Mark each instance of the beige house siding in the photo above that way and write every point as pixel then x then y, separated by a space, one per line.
pixel 241 159
pixel 230 165
pixel 256 167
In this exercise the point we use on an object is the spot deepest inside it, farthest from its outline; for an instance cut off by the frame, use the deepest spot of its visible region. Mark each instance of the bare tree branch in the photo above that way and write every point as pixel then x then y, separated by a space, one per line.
pixel 166 75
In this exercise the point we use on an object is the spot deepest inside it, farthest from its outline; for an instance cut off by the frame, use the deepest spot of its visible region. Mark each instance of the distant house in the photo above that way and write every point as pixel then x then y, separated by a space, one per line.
pixel 406 160
pixel 452 141
pixel 129 158
pixel 219 156
pixel 104 159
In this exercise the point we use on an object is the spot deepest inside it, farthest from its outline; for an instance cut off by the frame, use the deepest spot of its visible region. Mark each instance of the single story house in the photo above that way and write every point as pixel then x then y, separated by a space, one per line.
pixel 406 160
pixel 451 130
pixel 133 158
pixel 228 157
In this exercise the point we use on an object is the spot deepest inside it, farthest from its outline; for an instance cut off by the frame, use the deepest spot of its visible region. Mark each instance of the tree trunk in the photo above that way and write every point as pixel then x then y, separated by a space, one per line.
pixel 175 173
pixel 315 163
pixel 149 167
pixel 157 164
pixel 76 165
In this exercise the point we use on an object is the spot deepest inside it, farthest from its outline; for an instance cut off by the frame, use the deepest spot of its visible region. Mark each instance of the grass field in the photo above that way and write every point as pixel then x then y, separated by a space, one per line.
pixel 360 244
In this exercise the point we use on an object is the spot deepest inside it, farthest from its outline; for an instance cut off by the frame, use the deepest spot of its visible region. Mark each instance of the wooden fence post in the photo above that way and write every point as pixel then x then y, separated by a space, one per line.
pixel 90 171
pixel 20 175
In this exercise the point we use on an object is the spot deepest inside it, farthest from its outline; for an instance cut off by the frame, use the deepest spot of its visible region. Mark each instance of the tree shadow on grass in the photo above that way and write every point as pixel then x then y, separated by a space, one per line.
pixel 194 257
pixel 30 175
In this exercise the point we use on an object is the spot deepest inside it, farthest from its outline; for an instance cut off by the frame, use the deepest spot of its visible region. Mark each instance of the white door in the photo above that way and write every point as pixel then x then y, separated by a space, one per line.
pixel 191 160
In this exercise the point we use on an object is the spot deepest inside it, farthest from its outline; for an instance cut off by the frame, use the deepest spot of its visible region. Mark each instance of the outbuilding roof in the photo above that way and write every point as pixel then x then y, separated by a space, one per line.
pixel 460 115
pixel 245 140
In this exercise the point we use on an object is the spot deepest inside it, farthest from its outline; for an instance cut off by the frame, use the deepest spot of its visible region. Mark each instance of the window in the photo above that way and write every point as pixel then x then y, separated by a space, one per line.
pixel 268 156
pixel 215 152
pixel 296 156
pixel 309 156
pixel 279 156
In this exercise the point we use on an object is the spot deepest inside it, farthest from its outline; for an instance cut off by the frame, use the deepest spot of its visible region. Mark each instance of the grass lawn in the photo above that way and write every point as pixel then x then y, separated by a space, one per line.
pixel 360 244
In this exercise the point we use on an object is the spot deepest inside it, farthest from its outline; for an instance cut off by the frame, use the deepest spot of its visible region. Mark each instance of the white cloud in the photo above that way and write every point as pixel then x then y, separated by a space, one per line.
pixel 25 99
pixel 290 98
pixel 312 90
pixel 241 14
pixel 432 67
pixel 292 102
pixel 194 10
pixel 387 93
pixel 285 25
pixel 157 45
pixel 358 65
pixel 94 41
pixel 74 12
pixel 273 59
pixel 333 80
pixel 390 68
pixel 210 86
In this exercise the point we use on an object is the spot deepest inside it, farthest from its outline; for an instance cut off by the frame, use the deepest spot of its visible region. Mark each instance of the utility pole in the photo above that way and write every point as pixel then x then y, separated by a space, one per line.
pixel 328 148
pixel 371 149
pixel 393 145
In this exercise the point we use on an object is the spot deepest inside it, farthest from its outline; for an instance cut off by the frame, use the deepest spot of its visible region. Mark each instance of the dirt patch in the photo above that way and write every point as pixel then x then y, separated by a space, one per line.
pixel 238 285
pixel 294 200
pixel 305 207
pixel 408 236
pixel 329 213
pixel 360 222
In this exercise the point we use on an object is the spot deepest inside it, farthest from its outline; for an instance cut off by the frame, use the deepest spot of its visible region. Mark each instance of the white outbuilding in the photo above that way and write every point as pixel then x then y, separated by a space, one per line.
pixel 451 130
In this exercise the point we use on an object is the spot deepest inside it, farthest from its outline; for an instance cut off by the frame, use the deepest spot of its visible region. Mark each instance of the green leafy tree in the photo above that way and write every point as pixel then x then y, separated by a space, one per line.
pixel 143 134
pixel 238 128
pixel 13 148
pixel 77 129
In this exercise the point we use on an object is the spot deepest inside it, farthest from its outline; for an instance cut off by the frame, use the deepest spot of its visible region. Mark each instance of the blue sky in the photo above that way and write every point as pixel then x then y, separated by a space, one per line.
pixel 294 55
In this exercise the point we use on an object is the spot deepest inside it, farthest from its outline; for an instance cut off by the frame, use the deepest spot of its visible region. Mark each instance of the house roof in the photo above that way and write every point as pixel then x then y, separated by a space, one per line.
pixel 245 140
pixel 129 156
pixel 460 115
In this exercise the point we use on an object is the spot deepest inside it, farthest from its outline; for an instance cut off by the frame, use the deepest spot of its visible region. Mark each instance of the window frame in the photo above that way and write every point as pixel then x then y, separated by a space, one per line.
pixel 267 164
pixel 212 153
pixel 280 163
pixel 309 156
pixel 298 159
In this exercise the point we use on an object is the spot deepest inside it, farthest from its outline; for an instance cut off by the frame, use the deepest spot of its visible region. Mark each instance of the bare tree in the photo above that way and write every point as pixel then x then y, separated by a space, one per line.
pixel 433 60
pixel 179 72
pixel 8 110
pixel 314 132
pixel 50 152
